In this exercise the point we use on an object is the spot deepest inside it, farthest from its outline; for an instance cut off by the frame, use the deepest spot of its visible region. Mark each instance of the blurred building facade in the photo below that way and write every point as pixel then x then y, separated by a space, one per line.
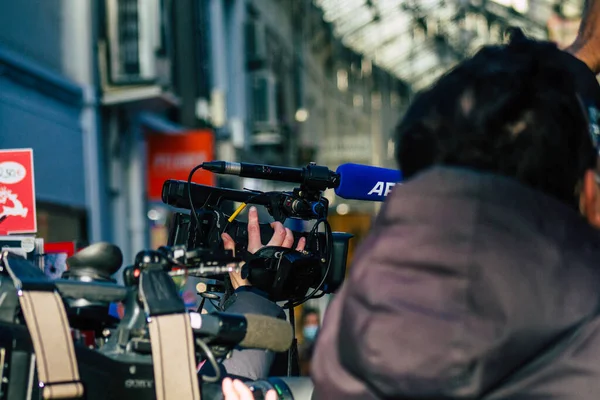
pixel 80 83
pixel 84 82
pixel 47 103
pixel 285 90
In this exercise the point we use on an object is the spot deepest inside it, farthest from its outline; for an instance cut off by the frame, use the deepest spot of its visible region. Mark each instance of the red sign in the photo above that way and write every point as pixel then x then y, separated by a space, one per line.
pixel 173 156
pixel 69 248
pixel 55 258
pixel 17 192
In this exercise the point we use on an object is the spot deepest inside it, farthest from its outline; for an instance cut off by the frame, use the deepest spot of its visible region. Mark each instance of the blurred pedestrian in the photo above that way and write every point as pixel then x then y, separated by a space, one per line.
pixel 311 321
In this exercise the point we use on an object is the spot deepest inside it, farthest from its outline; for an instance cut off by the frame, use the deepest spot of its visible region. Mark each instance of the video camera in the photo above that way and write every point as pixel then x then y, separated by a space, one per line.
pixel 57 339
pixel 285 274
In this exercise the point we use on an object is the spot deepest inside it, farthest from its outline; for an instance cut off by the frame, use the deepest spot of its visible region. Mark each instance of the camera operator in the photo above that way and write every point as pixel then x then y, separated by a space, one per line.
pixel 480 278
pixel 250 363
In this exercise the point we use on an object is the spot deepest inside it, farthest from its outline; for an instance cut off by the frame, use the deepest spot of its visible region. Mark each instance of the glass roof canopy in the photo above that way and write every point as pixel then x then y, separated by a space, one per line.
pixel 418 40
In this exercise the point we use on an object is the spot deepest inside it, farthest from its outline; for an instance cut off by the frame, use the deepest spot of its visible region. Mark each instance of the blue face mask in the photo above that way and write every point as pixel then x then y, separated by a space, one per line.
pixel 310 332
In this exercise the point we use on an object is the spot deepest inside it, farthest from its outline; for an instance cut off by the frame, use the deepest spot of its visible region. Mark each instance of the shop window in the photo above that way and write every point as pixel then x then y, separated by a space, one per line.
pixel 61 224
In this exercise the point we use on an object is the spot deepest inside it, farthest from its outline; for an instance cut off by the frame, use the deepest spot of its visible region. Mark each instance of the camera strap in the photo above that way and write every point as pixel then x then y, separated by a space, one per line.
pixel 171 338
pixel 46 320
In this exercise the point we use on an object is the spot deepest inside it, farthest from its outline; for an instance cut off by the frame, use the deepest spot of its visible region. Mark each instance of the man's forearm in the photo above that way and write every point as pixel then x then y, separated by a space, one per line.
pixel 589 18
pixel 587 43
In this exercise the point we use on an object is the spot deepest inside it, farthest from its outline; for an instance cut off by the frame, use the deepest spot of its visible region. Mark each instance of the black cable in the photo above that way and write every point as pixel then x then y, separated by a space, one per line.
pixel 293 348
pixel 213 362
pixel 201 306
pixel 328 246
pixel 216 306
pixel 290 306
pixel 189 187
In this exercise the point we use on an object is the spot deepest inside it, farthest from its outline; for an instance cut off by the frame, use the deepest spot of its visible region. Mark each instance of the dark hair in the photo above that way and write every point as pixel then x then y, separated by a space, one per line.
pixel 511 109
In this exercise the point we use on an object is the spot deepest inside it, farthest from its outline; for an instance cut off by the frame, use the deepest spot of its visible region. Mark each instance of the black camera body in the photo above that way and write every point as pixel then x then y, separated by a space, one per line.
pixel 286 275
pixel 105 374
pixel 123 376
pixel 117 365
pixel 323 267
pixel 114 358
pixel 304 272
pixel 108 377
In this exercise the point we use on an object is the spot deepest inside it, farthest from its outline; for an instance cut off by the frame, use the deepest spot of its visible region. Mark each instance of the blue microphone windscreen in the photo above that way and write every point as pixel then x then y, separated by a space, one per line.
pixel 363 182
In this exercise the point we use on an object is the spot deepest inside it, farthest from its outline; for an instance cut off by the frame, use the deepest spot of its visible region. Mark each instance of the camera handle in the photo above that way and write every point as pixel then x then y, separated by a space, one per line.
pixel 171 337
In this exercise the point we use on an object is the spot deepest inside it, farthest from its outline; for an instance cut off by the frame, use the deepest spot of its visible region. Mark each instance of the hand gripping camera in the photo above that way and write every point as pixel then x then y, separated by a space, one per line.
pixel 285 274
pixel 57 339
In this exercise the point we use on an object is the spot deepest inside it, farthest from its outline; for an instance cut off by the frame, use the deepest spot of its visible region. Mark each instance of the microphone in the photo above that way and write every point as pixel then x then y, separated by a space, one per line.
pixel 350 181
pixel 363 182
pixel 249 330
pixel 312 175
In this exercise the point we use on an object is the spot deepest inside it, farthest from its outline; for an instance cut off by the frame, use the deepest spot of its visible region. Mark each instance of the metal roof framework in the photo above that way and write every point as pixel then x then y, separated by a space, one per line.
pixel 418 40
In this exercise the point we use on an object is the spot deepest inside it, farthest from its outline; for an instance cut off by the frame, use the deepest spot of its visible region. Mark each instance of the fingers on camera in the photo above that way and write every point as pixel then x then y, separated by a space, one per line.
pixel 228 391
pixel 237 390
pixel 279 234
pixel 288 241
pixel 282 236
pixel 271 395
pixel 228 242
pixel 240 387
pixel 254 242
pixel 301 244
